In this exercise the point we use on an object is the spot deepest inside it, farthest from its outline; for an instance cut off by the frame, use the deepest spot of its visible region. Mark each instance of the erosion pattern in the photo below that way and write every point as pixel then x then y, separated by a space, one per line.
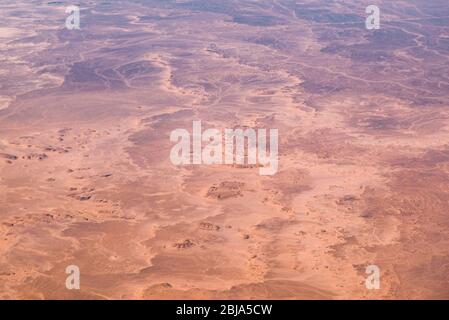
pixel 86 178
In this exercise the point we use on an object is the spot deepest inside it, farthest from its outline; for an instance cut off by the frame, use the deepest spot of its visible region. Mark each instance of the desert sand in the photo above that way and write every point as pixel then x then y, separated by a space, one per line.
pixel 86 179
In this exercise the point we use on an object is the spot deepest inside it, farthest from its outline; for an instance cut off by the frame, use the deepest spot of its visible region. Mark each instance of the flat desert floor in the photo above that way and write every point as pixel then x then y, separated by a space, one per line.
pixel 86 178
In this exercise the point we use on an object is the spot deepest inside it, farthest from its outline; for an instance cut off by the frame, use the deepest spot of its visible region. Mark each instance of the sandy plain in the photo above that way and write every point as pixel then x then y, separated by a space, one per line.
pixel 86 179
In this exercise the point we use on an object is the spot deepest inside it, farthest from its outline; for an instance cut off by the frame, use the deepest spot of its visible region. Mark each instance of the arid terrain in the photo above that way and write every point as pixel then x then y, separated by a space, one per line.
pixel 86 178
